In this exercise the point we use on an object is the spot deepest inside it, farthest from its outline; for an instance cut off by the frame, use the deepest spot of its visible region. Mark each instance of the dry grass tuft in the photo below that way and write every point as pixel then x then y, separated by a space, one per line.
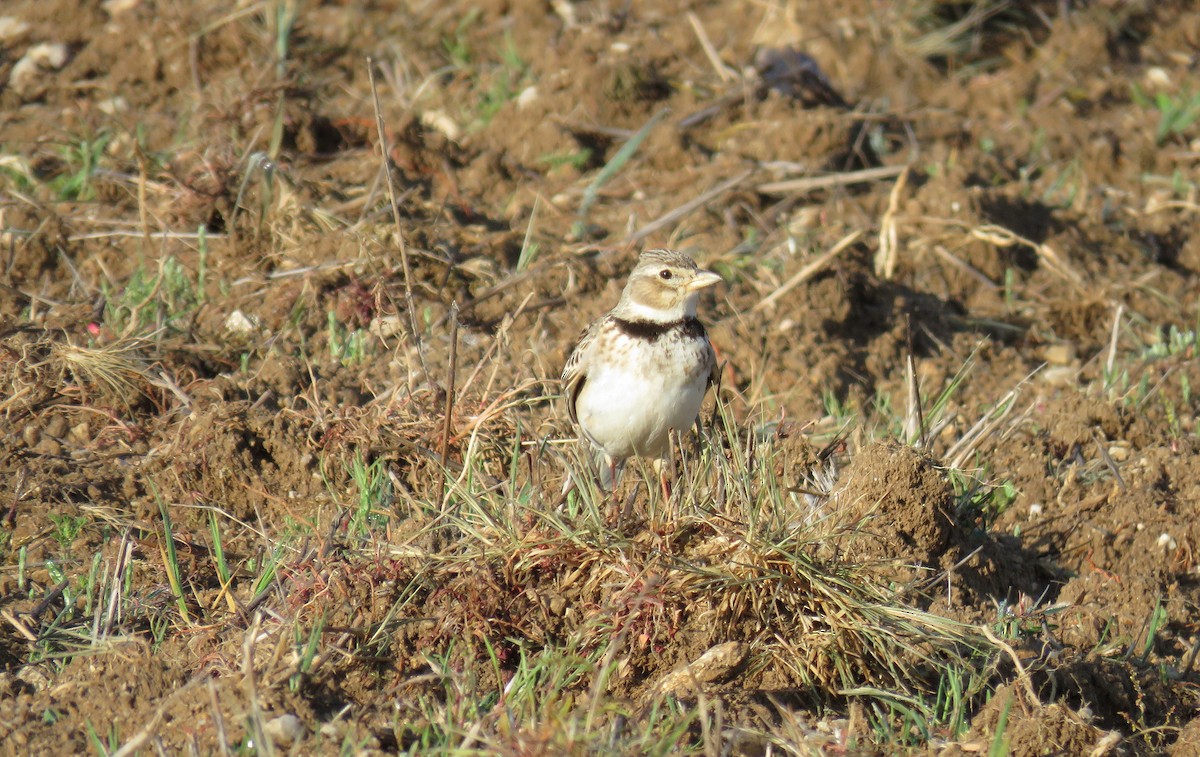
pixel 115 373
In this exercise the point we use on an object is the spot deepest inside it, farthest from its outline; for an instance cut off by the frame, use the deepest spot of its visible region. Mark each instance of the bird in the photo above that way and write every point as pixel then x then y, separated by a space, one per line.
pixel 640 372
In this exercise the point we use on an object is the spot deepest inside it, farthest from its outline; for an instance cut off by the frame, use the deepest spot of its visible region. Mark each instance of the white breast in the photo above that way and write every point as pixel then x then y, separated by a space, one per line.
pixel 630 402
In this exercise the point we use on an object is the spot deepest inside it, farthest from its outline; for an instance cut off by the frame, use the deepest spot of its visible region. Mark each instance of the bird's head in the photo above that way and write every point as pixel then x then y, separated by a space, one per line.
pixel 664 286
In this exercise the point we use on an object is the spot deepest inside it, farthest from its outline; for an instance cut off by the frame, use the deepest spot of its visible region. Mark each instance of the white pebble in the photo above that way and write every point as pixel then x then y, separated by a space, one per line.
pixel 527 97
pixel 239 323
pixel 11 26
pixel 38 58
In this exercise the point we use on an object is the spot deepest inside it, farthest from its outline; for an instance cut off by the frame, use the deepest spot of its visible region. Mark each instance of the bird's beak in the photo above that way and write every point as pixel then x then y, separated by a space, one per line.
pixel 703 280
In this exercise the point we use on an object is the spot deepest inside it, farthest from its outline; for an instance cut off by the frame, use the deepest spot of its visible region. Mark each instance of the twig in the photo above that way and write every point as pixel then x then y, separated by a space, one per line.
pixel 800 186
pixel 1003 237
pixel 687 207
pixel 915 418
pixel 986 426
pixel 807 272
pixel 964 266
pixel 711 52
pixel 1112 466
pixel 18 625
pixel 1112 343
pixel 885 257
pixel 384 152
pixel 451 370
pixel 1022 674
pixel 263 744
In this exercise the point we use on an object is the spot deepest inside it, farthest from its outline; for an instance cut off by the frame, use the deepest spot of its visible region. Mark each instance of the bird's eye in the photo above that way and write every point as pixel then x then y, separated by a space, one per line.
pixel 664 274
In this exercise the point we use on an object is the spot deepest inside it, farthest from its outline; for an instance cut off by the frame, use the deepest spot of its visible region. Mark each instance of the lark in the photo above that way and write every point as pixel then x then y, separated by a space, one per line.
pixel 640 372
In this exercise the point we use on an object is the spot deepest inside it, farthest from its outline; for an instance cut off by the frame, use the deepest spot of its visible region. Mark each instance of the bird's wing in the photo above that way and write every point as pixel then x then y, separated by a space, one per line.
pixel 574 373
pixel 714 368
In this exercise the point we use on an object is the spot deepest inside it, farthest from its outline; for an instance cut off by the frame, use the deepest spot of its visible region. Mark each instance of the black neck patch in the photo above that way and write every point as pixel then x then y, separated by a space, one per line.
pixel 689 328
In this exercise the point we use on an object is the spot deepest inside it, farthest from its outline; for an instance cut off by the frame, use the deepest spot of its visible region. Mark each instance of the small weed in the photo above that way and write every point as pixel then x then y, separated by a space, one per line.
pixel 374 495
pixel 1178 343
pixel 1154 624
pixel 83 160
pixel 345 346
pixel 529 248
pixel 978 502
pixel 613 167
pixel 151 302
pixel 577 159
pixel 457 46
pixel 92 588
pixel 306 652
pixel 835 407
pixel 170 558
pixel 283 23
pixel 107 746
pixel 506 82
pixel 66 528
pixel 1176 113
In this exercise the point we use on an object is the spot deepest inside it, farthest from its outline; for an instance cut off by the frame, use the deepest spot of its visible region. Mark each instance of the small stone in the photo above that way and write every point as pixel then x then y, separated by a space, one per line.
pixel 1119 453
pixel 80 433
pixel 284 730
pixel 1059 354
pixel 11 27
pixel 527 97
pixel 113 105
pixel 436 119
pixel 39 58
pixel 386 326
pixel 715 664
pixel 1157 78
pixel 1062 375
pixel 56 426
pixel 240 323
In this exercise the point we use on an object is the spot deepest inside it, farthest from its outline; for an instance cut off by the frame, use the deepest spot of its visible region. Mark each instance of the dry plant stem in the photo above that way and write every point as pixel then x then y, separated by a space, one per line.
pixel 1022 675
pixel 709 51
pixel 915 421
pixel 801 186
pixel 964 266
pixel 141 197
pixel 1112 342
pixel 124 553
pixel 262 743
pixel 984 427
pixel 889 246
pixel 1004 237
pixel 391 188
pixel 451 370
pixel 808 271
pixel 20 627
pixel 687 207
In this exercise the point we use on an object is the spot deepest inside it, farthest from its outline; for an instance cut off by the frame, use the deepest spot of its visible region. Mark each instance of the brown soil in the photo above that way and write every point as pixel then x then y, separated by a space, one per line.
pixel 1042 202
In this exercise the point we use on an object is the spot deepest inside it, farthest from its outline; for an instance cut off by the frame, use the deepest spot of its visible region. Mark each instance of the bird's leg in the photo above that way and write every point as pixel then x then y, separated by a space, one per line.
pixel 660 469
